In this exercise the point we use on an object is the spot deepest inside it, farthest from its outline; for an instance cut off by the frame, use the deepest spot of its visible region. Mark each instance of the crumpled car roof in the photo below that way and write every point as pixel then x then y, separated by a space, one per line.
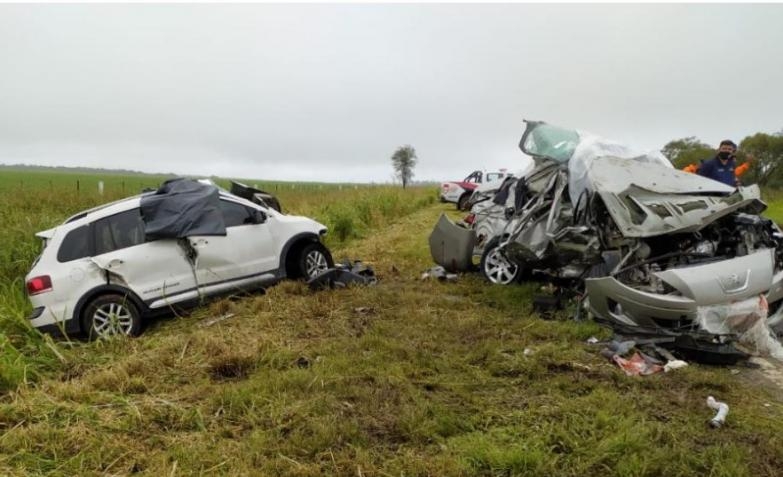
pixel 577 150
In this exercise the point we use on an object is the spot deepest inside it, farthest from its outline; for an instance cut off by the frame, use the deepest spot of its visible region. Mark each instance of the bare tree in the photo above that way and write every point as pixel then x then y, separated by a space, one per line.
pixel 404 160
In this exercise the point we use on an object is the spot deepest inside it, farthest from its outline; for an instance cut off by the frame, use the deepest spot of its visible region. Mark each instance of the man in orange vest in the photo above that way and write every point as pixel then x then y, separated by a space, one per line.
pixel 722 167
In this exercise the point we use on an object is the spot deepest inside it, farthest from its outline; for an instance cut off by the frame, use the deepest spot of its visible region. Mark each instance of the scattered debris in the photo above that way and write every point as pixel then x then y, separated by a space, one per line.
pixel 617 348
pixel 440 274
pixel 723 409
pixel 748 320
pixel 528 352
pixel 706 348
pixel 303 362
pixel 674 364
pixel 653 359
pixel 592 340
pixel 212 321
pixel 342 275
pixel 639 364
pixel 364 310
pixel 545 305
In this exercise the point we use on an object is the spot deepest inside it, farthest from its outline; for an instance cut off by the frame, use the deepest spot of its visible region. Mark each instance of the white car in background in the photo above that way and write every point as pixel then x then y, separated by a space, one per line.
pixel 102 271
pixel 459 192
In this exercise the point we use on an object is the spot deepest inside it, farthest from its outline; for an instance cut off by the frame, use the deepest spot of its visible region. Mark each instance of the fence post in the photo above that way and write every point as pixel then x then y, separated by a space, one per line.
pixel 77 185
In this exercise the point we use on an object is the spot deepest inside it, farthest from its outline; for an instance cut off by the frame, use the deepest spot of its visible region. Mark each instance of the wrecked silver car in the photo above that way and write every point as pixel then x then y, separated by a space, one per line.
pixel 654 251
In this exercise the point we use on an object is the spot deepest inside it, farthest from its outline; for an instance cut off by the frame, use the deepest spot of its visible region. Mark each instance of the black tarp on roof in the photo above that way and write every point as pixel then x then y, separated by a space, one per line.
pixel 181 208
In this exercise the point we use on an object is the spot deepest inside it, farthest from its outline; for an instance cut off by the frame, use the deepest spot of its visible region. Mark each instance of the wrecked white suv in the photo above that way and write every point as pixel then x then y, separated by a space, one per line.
pixel 103 270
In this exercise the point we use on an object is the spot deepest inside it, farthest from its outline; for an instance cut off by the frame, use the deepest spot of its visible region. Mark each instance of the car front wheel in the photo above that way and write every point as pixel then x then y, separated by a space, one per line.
pixel 111 315
pixel 314 260
pixel 462 203
pixel 496 267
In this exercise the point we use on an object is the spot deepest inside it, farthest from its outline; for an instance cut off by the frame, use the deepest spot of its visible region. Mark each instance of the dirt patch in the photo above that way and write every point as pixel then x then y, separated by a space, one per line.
pixel 769 375
pixel 232 367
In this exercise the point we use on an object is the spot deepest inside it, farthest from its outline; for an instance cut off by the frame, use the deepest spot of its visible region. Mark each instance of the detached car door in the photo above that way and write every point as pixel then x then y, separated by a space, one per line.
pixel 244 258
pixel 157 271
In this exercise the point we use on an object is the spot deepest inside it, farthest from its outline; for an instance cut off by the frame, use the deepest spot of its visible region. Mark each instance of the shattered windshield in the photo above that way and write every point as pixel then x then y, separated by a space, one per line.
pixel 549 141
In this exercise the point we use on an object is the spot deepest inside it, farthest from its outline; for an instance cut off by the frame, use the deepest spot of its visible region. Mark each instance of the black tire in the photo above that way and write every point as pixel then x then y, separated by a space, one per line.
pixel 462 203
pixel 496 268
pixel 314 258
pixel 111 315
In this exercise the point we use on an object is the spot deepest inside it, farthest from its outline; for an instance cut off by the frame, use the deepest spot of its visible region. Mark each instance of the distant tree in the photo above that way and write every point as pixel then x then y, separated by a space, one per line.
pixel 404 160
pixel 686 151
pixel 765 152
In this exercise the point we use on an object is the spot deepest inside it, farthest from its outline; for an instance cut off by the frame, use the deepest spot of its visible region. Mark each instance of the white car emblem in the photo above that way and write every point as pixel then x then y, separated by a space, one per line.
pixel 734 283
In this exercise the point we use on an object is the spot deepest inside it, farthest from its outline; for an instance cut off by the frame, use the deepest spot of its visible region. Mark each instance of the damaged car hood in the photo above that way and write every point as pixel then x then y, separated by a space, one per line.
pixel 646 200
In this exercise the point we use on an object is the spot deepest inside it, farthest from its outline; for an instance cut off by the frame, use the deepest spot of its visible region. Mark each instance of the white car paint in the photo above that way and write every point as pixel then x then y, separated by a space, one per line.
pixel 159 272
pixel 451 191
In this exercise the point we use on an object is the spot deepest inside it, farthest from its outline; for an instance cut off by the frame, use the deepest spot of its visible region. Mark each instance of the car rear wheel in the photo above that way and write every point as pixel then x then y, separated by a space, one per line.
pixel 111 315
pixel 496 267
pixel 314 259
pixel 462 203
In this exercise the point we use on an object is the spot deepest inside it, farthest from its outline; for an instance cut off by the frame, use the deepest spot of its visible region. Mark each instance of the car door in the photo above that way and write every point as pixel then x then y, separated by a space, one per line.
pixel 245 257
pixel 158 271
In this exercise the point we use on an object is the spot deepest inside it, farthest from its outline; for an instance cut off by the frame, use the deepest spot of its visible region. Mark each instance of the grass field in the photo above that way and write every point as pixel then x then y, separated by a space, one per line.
pixel 409 377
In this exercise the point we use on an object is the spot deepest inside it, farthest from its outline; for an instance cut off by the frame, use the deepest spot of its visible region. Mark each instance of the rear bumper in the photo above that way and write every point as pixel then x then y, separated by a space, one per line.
pixel 62 329
pixel 47 319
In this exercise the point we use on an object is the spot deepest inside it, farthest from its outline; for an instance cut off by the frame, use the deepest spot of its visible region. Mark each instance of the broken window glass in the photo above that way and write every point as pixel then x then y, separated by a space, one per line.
pixel 551 142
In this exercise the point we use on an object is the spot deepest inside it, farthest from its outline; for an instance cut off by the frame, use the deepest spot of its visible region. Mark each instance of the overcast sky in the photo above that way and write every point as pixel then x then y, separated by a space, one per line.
pixel 327 92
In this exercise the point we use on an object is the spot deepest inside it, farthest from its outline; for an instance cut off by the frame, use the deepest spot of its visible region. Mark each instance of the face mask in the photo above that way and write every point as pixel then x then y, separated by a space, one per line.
pixel 724 155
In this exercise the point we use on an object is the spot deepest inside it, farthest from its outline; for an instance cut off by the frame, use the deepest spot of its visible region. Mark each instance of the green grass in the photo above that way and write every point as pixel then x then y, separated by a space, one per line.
pixel 409 377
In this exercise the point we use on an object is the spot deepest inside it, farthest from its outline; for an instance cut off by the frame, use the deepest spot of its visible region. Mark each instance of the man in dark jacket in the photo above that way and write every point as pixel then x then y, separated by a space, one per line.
pixel 721 167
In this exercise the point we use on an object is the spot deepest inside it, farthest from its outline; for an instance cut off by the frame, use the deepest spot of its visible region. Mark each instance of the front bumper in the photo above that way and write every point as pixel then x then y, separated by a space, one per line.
pixel 716 283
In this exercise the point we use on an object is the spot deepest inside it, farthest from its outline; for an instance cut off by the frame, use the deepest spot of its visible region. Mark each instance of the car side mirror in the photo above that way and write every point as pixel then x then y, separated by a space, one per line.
pixel 259 217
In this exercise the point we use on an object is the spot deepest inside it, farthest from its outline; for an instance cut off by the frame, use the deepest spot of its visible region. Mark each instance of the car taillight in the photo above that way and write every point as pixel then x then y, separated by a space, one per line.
pixel 38 285
pixel 470 219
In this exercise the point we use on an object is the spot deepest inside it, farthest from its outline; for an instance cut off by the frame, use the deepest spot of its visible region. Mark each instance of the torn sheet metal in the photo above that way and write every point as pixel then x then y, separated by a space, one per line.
pixel 257 196
pixel 646 200
pixel 451 246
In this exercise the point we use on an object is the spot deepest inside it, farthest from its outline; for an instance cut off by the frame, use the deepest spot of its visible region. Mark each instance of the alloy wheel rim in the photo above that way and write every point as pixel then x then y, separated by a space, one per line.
pixel 498 268
pixel 112 319
pixel 315 263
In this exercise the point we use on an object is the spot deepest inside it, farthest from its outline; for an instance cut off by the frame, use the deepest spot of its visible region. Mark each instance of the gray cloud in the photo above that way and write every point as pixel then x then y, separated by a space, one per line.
pixel 326 92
